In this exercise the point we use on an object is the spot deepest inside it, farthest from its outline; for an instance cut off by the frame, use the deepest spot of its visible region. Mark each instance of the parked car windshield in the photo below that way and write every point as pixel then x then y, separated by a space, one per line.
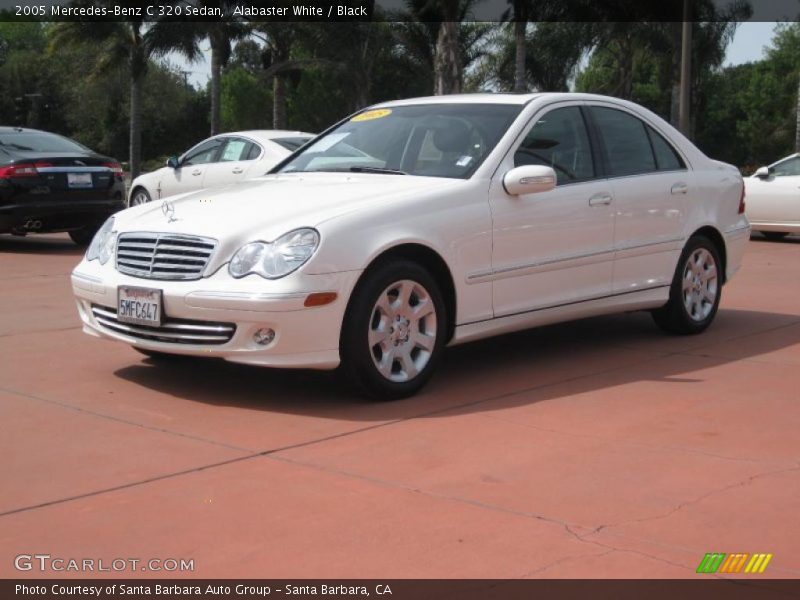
pixel 433 140
pixel 38 141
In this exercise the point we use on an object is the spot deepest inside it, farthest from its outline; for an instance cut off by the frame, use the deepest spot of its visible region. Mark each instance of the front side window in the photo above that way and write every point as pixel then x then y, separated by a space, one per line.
pixel 559 140
pixel 626 141
pixel 787 168
pixel 433 140
pixel 204 153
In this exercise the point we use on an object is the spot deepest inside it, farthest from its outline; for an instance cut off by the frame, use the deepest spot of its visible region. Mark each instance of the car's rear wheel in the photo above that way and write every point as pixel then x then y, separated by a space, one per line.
pixel 394 331
pixel 774 236
pixel 695 291
pixel 84 235
pixel 139 196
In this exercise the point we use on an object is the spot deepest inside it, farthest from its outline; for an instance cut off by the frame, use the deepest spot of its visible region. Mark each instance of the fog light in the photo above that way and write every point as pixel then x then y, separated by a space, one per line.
pixel 264 336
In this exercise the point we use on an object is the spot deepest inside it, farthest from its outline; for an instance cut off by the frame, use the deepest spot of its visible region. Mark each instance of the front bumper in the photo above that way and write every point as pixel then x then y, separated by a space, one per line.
pixel 305 337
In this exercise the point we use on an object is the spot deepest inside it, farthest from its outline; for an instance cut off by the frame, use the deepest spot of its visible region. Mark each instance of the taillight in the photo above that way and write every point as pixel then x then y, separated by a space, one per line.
pixel 741 201
pixel 115 167
pixel 22 170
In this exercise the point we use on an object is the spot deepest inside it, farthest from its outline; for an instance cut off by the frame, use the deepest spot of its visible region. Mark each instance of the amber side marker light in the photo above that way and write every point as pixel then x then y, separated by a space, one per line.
pixel 320 299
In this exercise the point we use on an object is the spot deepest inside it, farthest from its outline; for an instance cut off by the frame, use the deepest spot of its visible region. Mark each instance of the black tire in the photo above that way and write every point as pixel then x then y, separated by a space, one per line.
pixel 143 194
pixel 774 236
pixel 84 235
pixel 401 337
pixel 674 316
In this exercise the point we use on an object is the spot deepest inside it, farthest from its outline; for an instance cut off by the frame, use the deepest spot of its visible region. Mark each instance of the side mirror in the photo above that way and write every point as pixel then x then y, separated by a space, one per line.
pixel 172 162
pixel 762 173
pixel 529 179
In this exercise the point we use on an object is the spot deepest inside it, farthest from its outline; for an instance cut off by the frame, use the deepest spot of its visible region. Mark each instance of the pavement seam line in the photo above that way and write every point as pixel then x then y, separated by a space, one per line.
pixel 327 438
pixel 100 415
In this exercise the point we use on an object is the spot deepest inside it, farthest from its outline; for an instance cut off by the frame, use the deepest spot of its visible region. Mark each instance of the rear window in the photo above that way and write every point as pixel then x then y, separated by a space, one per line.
pixel 37 141
pixel 291 143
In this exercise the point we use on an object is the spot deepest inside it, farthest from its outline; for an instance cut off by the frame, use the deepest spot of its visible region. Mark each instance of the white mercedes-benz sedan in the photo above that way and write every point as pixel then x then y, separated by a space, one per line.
pixel 773 198
pixel 218 161
pixel 423 223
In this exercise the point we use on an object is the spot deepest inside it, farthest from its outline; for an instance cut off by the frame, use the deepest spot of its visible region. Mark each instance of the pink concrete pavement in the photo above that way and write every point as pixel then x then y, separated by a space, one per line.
pixel 601 448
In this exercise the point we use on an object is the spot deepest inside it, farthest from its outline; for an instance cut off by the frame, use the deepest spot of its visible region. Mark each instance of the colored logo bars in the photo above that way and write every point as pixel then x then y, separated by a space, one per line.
pixel 719 562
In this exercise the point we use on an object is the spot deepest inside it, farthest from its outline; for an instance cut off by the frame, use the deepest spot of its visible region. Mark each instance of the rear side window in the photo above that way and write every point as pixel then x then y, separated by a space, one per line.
pixel 235 149
pixel 626 142
pixel 666 157
pixel 291 143
pixel 559 140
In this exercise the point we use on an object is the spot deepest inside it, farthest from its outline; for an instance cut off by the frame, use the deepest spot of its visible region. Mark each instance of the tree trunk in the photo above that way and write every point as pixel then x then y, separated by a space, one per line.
pixel 447 62
pixel 675 73
pixel 135 154
pixel 216 85
pixel 684 106
pixel 797 121
pixel 279 102
pixel 520 84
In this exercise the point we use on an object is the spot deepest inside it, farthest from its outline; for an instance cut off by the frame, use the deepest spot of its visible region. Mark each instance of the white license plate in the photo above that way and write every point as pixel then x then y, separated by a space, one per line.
pixel 79 180
pixel 142 306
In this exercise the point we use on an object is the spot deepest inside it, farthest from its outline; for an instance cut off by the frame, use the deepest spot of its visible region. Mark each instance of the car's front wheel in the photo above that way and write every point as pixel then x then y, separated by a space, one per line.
pixel 394 331
pixel 695 291
pixel 139 196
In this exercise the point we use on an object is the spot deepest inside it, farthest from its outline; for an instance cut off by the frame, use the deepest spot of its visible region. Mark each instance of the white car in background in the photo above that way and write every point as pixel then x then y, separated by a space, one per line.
pixel 218 161
pixel 422 223
pixel 773 198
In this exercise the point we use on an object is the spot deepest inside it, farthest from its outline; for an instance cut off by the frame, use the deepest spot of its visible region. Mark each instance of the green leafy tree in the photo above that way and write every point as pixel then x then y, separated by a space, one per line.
pixel 130 44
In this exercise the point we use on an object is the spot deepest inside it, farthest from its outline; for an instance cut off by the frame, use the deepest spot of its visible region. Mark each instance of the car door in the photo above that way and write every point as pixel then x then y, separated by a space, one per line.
pixel 775 199
pixel 189 174
pixel 554 247
pixel 652 189
pixel 236 158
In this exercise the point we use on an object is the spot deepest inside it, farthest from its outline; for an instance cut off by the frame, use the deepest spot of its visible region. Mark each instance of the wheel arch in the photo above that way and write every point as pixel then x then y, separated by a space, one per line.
pixel 135 188
pixel 713 234
pixel 426 257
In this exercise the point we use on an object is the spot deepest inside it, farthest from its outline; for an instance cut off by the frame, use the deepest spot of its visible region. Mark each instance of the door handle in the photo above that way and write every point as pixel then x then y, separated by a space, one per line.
pixel 679 188
pixel 197 172
pixel 237 170
pixel 601 199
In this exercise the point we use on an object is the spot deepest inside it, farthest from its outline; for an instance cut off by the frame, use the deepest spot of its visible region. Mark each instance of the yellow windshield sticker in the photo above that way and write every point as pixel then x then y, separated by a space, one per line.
pixel 369 115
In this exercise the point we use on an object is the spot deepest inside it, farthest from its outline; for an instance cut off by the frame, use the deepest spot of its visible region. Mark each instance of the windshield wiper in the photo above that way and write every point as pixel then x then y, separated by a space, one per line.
pixel 383 170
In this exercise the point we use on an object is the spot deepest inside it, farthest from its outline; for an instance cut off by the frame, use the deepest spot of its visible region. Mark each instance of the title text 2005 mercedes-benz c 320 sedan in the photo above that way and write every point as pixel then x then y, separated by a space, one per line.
pixel 421 223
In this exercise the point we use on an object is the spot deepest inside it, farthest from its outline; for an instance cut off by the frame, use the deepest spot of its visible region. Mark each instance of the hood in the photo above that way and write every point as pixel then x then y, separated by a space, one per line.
pixel 267 207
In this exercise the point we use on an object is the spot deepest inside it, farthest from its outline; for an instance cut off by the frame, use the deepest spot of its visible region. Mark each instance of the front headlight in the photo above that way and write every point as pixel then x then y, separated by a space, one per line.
pixel 102 246
pixel 273 260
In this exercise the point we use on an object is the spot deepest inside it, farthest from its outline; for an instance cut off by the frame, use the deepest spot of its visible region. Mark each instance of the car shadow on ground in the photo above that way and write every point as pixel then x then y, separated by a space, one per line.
pixel 51 243
pixel 520 368
pixel 757 236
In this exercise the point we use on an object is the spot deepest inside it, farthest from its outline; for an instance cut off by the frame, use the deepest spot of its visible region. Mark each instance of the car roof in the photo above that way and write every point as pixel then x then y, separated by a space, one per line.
pixel 11 129
pixel 500 98
pixel 263 135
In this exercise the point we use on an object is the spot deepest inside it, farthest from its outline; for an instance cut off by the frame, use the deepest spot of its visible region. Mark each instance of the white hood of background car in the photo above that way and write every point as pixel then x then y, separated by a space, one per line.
pixel 268 207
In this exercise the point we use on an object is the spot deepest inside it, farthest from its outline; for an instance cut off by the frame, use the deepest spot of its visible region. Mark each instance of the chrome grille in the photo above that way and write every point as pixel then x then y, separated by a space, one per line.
pixel 174 331
pixel 163 255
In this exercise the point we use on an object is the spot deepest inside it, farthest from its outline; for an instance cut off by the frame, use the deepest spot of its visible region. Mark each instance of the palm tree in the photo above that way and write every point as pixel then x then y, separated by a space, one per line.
pixel 434 34
pixel 220 33
pixel 130 45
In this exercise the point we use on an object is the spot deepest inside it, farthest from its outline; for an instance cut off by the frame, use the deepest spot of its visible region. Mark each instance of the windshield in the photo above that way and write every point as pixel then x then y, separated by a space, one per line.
pixel 433 140
pixel 37 141
pixel 291 143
